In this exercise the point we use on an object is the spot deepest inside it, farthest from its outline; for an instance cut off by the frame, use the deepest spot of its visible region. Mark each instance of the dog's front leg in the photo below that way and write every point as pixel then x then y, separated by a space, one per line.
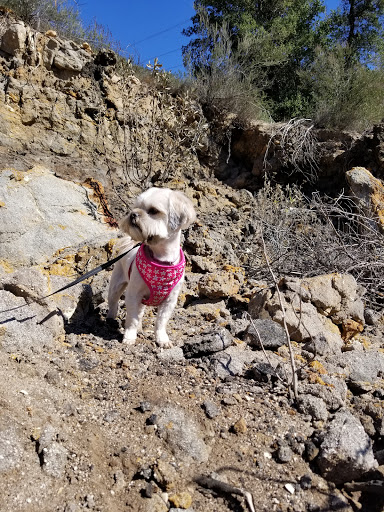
pixel 134 316
pixel 164 313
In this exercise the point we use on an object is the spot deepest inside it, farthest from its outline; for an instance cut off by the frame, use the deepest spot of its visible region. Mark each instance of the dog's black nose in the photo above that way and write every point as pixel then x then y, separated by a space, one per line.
pixel 133 217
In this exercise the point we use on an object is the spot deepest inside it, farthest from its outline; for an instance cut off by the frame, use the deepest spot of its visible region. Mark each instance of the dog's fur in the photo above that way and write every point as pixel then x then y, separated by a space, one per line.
pixel 157 218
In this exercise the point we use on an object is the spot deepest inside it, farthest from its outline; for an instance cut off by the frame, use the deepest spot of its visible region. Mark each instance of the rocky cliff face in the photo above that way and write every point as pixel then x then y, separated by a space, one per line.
pixel 89 423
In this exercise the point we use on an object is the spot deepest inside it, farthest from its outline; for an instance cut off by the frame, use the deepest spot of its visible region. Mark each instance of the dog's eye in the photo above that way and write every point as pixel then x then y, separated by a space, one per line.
pixel 153 211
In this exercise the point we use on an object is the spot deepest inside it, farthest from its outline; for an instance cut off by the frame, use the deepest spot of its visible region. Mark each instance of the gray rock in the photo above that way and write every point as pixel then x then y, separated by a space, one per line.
pixel 11 448
pixel 53 454
pixel 272 334
pixel 171 354
pixel 346 450
pixel 68 59
pixel 55 457
pixel 333 392
pixel 211 409
pixel 208 343
pixel 232 361
pixel 314 406
pixel 364 366
pixel 43 214
pixel 284 454
pixel 27 328
pixel 13 40
pixel 181 433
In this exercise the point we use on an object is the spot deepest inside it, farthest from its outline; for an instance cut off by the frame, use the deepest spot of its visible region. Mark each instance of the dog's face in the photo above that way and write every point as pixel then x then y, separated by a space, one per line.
pixel 157 214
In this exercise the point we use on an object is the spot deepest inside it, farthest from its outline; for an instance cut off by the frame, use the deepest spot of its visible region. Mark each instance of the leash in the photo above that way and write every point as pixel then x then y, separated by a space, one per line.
pixel 76 281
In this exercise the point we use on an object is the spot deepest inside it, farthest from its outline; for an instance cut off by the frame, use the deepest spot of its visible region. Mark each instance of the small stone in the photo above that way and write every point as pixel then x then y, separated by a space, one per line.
pixel 306 482
pixel 211 409
pixel 311 451
pixel 240 427
pixel 145 406
pixel 229 400
pixel 290 488
pixel 88 365
pixel 181 500
pixel 284 454
pixel 111 416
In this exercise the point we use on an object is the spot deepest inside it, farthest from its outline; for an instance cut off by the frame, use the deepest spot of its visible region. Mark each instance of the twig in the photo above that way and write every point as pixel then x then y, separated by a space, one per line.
pixel 291 355
pixel 265 352
pixel 222 487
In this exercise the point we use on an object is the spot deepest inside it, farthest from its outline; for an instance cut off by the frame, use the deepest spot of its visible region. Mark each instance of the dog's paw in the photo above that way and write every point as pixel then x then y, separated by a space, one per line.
pixel 163 340
pixel 129 337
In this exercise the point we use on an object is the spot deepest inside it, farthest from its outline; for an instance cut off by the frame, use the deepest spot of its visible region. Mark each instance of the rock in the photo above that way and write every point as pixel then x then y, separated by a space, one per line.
pixel 332 390
pixel 314 308
pixel 211 409
pixel 13 40
pixel 314 406
pixel 54 456
pixel 181 433
pixel 232 361
pixel 55 214
pixel 11 447
pixel 284 454
pixel 54 460
pixel 222 284
pixel 208 343
pixel 272 334
pixel 172 354
pixel 346 450
pixel 240 427
pixel 368 192
pixel 27 327
pixel 182 500
pixel 363 366
pixel 215 311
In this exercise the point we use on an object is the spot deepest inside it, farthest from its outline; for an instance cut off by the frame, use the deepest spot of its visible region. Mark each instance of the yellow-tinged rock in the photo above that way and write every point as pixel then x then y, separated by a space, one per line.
pixel 181 500
pixel 240 427
pixel 351 328
pixel 318 367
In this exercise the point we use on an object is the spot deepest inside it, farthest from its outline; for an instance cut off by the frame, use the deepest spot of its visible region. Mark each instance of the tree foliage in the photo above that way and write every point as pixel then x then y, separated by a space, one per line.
pixel 299 59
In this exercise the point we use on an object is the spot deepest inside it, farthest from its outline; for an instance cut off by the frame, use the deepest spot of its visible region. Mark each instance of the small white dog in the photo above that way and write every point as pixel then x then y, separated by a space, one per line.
pixel 152 274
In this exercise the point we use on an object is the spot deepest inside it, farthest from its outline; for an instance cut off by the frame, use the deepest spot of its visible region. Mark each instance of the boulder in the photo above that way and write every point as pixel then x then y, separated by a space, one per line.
pixel 13 40
pixel 316 308
pixel 265 333
pixel 181 433
pixel 346 450
pixel 42 214
pixel 368 192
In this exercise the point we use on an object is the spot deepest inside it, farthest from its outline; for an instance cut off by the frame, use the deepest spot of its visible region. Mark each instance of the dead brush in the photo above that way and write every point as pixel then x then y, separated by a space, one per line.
pixel 294 145
pixel 158 132
pixel 306 237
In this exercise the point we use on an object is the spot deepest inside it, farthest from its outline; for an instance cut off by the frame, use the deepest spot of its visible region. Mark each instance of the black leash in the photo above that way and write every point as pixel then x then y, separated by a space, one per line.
pixel 76 281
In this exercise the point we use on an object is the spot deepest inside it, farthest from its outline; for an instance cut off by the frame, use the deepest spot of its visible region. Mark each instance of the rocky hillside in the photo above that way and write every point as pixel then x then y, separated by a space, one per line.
pixel 211 424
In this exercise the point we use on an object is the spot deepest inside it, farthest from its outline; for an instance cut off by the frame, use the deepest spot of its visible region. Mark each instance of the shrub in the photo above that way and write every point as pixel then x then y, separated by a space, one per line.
pixel 64 17
pixel 345 93
pixel 225 78
pixel 318 235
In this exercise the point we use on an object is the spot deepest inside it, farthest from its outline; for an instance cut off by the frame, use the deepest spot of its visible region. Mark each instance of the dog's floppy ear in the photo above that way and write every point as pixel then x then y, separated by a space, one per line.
pixel 181 211
pixel 124 224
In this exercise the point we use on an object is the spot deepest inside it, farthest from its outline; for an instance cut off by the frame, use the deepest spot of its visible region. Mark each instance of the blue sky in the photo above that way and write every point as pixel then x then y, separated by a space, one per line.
pixel 148 28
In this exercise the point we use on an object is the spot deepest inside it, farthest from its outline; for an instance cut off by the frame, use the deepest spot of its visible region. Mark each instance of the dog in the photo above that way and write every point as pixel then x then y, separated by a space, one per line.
pixel 153 273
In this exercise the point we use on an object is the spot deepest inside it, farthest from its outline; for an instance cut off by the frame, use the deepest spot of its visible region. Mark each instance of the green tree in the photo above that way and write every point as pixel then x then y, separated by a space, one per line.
pixel 282 36
pixel 358 26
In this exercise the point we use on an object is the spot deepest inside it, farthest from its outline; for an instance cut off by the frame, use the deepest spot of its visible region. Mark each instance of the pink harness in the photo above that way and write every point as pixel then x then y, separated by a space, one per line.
pixel 160 279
